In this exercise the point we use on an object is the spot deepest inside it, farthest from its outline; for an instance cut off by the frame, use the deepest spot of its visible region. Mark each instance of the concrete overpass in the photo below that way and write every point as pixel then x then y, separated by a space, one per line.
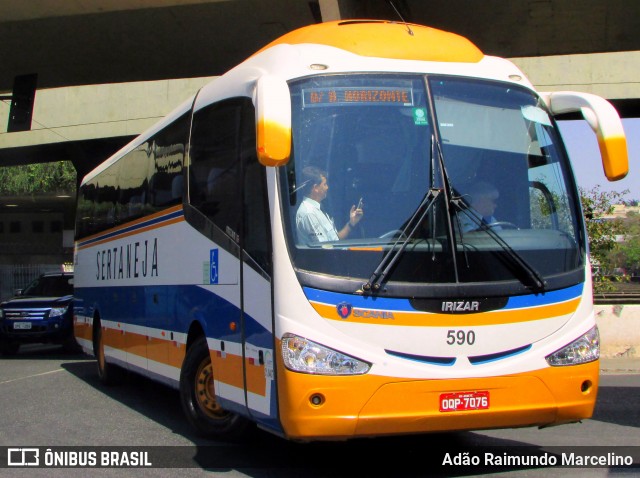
pixel 107 69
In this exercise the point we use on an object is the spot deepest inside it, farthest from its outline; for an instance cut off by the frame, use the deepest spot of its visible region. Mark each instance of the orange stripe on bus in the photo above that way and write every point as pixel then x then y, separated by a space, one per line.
pixel 227 367
pixel 164 212
pixel 256 381
pixel 134 232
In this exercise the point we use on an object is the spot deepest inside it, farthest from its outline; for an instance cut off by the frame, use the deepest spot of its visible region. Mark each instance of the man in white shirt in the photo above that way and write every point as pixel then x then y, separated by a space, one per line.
pixel 313 225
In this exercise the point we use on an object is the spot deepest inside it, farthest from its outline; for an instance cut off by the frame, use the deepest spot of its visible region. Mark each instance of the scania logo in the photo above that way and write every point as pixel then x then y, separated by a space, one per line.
pixel 344 309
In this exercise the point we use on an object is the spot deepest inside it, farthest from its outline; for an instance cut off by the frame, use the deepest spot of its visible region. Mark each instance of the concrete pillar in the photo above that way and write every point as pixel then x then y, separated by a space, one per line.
pixel 338 9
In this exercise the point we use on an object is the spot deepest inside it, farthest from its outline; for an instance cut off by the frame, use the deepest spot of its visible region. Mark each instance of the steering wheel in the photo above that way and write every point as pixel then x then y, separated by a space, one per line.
pixel 504 224
pixel 394 233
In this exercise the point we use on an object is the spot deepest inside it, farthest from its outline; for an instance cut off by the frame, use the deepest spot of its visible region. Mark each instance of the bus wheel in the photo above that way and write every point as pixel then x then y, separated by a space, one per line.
pixel 198 397
pixel 107 373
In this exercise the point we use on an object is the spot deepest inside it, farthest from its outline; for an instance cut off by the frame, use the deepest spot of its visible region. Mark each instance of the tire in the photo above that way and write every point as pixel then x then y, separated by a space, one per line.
pixel 199 403
pixel 8 347
pixel 108 374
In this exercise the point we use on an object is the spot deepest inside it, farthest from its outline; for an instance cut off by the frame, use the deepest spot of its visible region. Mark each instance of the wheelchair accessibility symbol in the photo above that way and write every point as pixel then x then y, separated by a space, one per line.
pixel 213 266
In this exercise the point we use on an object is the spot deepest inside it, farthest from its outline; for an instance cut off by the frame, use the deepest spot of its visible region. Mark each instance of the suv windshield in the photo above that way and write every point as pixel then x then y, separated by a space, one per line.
pixel 473 171
pixel 50 286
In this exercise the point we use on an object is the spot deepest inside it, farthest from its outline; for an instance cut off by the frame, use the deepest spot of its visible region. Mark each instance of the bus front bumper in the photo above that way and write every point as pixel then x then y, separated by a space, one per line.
pixel 316 407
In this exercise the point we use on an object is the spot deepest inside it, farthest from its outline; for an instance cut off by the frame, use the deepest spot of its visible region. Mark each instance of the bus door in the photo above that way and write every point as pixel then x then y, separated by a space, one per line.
pixel 256 279
pixel 227 189
pixel 215 198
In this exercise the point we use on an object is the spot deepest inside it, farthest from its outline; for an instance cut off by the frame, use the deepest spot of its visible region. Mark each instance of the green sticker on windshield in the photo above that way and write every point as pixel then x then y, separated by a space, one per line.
pixel 420 116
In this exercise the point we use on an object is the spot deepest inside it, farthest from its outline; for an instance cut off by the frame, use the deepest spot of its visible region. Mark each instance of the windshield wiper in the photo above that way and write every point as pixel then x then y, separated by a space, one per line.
pixel 392 256
pixel 452 200
pixel 537 281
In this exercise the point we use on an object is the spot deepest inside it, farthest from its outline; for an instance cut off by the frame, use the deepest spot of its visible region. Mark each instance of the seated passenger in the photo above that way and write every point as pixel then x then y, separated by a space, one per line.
pixel 482 197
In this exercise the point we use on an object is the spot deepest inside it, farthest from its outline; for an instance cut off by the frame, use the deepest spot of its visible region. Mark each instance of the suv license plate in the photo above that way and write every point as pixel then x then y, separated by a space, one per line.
pixel 21 325
pixel 462 401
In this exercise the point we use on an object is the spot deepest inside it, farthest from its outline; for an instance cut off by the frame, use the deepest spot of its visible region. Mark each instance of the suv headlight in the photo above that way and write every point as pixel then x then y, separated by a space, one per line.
pixel 57 311
pixel 302 355
pixel 582 350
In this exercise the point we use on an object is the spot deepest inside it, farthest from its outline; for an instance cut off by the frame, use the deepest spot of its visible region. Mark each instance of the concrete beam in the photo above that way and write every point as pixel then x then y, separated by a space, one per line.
pixel 98 111
pixel 126 109
pixel 19 11
pixel 614 76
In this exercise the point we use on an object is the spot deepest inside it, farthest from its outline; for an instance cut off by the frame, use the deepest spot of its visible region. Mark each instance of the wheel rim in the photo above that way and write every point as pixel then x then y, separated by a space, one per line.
pixel 205 391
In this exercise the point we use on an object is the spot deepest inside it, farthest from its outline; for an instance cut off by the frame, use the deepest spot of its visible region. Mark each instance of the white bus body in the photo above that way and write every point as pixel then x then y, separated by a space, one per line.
pixel 190 268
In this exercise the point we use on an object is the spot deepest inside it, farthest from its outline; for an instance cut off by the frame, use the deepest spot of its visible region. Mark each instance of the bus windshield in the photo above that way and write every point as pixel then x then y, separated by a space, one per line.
pixel 444 181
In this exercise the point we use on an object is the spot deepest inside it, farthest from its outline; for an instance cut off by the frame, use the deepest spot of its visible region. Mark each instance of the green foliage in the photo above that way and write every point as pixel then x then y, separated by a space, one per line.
pixel 597 204
pixel 626 255
pixel 545 209
pixel 602 233
pixel 31 179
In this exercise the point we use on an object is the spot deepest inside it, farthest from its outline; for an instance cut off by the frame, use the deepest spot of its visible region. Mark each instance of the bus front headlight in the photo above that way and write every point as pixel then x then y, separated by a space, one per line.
pixel 582 350
pixel 302 355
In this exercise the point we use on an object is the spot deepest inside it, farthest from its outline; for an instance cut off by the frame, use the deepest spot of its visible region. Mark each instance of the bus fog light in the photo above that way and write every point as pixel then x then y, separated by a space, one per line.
pixel 582 350
pixel 316 399
pixel 302 355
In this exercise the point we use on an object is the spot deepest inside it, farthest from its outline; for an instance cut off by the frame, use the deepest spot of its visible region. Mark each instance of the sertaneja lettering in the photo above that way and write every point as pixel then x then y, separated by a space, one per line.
pixel 132 260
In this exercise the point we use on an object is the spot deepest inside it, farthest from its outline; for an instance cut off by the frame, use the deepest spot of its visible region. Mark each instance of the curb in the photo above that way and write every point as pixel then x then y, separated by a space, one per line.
pixel 621 365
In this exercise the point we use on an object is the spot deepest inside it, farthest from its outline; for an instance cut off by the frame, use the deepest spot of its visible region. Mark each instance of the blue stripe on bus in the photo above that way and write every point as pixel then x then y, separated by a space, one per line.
pixel 545 298
pixel 125 230
pixel 404 305
pixel 172 308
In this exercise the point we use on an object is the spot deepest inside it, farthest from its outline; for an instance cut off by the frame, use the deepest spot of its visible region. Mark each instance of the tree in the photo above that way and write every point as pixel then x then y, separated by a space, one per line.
pixel 627 253
pixel 38 178
pixel 597 204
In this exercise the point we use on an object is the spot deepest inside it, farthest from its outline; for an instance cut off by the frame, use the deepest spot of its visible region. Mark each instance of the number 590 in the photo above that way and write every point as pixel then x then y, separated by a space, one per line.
pixel 461 337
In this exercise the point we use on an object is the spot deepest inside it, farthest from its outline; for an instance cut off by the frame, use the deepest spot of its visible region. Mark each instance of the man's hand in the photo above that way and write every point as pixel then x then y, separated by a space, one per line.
pixel 355 215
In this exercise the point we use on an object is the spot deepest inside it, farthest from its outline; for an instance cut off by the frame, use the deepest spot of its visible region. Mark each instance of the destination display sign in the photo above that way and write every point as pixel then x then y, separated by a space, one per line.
pixel 344 95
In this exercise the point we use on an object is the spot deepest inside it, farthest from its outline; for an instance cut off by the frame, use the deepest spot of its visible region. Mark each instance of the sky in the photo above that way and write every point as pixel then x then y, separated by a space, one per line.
pixel 583 151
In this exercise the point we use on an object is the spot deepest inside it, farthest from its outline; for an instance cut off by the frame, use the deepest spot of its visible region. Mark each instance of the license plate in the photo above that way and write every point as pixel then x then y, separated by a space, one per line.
pixel 462 401
pixel 22 325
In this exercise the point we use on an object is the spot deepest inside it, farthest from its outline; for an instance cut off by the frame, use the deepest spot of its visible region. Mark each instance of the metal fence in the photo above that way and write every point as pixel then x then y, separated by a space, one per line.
pixel 17 276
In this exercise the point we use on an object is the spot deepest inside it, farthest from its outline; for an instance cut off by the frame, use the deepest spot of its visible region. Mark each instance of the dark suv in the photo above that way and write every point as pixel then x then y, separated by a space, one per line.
pixel 40 313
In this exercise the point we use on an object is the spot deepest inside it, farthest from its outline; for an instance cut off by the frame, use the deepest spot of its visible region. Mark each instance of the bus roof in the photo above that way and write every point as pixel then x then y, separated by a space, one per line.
pixel 385 39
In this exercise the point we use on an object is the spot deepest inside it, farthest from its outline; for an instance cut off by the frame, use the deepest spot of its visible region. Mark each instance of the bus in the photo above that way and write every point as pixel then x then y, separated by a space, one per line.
pixel 191 266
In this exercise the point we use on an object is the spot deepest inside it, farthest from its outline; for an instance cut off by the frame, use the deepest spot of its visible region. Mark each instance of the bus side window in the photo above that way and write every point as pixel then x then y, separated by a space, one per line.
pixel 132 182
pixel 165 169
pixel 215 165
